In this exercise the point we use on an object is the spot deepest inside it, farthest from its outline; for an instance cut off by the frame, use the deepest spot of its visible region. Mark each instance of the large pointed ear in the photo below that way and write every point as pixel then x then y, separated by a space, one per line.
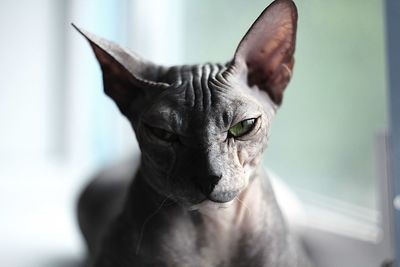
pixel 126 77
pixel 265 54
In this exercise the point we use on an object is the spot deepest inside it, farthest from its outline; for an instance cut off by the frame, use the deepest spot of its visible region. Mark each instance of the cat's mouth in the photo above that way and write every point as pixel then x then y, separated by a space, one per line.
pixel 210 205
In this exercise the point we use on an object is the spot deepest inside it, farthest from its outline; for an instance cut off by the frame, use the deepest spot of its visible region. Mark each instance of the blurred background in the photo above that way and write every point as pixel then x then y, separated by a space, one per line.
pixel 57 127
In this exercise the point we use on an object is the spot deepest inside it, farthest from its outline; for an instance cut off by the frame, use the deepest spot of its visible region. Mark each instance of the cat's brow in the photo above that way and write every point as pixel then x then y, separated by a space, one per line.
pixel 197 83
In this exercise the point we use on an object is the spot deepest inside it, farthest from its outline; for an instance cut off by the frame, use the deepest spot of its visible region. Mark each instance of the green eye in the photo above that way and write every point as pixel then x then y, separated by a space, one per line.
pixel 163 134
pixel 242 128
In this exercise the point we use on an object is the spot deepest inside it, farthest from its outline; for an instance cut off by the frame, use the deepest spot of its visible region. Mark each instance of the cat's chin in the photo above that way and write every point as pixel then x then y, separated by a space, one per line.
pixel 207 204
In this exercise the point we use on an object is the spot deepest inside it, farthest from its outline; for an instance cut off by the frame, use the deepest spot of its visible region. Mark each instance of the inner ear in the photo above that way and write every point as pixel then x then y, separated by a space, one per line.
pixel 266 53
pixel 127 79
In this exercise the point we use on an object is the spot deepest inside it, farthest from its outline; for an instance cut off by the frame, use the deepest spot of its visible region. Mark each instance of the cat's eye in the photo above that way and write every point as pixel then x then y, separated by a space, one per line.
pixel 242 128
pixel 163 134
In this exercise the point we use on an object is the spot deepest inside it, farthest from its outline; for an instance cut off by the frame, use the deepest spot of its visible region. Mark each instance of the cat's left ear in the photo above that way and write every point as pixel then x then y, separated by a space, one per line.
pixel 128 79
pixel 264 57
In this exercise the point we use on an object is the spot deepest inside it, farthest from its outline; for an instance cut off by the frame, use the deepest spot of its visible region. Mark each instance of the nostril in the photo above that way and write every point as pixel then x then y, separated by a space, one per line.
pixel 207 184
pixel 214 179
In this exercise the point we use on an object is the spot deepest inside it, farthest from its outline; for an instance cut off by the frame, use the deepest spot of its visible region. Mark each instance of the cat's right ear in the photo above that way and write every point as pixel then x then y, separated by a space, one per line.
pixel 127 79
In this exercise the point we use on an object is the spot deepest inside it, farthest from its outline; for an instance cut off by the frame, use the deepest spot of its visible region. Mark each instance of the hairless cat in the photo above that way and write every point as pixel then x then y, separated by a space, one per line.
pixel 199 196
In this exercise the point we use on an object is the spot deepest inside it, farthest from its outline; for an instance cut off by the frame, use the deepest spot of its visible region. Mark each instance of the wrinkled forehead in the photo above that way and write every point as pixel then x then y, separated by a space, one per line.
pixel 201 95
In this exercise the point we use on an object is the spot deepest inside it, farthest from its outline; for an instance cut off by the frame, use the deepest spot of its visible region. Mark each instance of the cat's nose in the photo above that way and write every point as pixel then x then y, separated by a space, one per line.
pixel 223 196
pixel 208 183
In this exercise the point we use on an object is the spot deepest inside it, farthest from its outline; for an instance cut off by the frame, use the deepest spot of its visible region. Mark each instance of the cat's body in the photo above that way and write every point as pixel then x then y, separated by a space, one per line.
pixel 199 196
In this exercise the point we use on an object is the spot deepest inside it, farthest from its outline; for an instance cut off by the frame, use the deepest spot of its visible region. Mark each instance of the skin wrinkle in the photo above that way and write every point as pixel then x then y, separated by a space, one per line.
pixel 195 87
pixel 189 86
pixel 195 75
pixel 204 84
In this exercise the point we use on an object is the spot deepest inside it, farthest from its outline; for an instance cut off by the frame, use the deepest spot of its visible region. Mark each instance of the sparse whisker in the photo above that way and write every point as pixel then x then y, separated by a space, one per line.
pixel 243 204
pixel 146 221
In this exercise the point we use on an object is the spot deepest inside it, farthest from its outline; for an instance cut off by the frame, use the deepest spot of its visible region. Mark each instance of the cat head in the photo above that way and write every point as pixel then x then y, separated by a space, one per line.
pixel 202 129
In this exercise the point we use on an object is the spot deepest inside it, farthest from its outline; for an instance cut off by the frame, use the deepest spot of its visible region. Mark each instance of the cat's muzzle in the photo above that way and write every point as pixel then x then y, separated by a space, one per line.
pixel 207 186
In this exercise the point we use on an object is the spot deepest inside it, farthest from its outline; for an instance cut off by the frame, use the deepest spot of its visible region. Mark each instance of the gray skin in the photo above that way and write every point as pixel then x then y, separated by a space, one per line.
pixel 199 196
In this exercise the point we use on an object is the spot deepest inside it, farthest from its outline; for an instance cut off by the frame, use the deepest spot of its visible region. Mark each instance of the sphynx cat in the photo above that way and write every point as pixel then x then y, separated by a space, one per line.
pixel 199 196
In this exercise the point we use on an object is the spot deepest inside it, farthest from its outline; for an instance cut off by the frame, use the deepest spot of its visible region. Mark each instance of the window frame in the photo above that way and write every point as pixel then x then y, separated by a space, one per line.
pixel 393 61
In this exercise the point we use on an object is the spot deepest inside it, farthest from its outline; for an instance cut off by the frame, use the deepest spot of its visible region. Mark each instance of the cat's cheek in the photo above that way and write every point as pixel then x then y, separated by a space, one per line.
pixel 254 162
pixel 242 156
pixel 245 163
pixel 248 152
pixel 250 163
